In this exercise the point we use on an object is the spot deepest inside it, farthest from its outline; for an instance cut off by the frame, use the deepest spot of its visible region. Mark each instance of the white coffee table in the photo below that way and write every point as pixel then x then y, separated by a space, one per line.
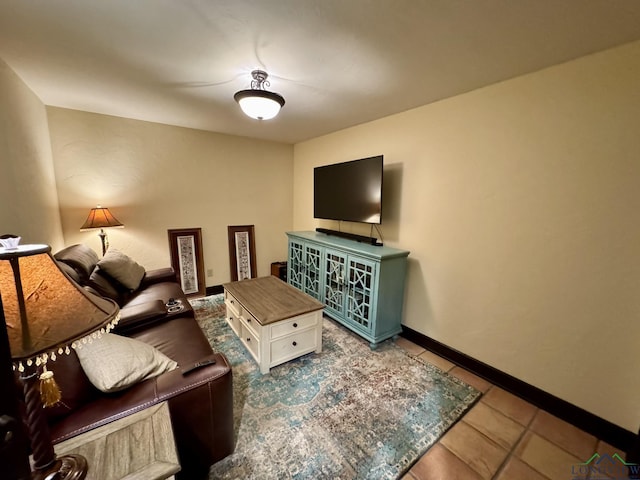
pixel 275 321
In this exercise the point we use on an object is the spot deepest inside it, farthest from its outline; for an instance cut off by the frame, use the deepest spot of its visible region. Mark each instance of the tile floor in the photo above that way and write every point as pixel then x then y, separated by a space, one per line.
pixel 502 437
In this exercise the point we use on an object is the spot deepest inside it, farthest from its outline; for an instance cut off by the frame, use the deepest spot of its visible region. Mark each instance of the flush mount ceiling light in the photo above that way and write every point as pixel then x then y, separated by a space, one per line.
pixel 257 102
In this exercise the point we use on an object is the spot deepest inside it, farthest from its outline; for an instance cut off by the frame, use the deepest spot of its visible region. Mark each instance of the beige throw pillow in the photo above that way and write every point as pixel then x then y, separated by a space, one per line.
pixel 122 268
pixel 113 362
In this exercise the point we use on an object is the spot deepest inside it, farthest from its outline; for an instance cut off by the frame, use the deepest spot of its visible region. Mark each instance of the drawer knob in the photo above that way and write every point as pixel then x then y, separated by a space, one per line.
pixel 248 320
pixel 248 339
pixel 295 343
pixel 295 325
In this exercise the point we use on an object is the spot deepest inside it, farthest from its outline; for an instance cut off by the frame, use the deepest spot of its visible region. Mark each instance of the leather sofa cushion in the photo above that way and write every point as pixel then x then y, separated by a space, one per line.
pixel 107 287
pixel 180 339
pixel 70 271
pixel 81 258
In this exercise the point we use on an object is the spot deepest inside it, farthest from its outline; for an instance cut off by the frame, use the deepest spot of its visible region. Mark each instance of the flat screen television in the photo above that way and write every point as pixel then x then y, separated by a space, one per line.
pixel 349 191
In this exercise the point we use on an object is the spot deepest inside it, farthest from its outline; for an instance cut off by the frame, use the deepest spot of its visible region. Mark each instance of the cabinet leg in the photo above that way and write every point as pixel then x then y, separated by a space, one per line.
pixel 373 346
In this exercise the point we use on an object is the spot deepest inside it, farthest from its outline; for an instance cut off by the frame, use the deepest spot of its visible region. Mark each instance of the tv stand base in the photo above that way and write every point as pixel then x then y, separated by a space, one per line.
pixel 350 236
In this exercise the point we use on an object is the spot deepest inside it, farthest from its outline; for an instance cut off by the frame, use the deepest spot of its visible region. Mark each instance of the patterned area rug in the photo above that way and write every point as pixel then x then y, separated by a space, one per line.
pixel 347 413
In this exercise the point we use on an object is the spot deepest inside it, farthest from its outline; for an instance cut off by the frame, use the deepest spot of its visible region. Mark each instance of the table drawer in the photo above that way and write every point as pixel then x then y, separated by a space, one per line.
pixel 251 342
pixel 232 303
pixel 233 321
pixel 293 346
pixel 285 327
pixel 251 323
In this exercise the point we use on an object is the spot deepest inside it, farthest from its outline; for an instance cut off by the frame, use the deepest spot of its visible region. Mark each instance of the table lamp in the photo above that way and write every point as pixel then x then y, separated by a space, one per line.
pixel 101 217
pixel 46 314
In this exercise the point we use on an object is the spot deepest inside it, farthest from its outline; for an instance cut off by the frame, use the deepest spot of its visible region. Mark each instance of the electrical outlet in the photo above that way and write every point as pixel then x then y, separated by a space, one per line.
pixel 209 272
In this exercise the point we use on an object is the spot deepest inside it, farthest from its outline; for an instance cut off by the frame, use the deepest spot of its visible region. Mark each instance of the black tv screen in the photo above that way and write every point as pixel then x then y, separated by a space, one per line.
pixel 350 191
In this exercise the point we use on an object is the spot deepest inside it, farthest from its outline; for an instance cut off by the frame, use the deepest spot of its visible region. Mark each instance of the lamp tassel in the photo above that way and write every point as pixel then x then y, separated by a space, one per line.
pixel 49 390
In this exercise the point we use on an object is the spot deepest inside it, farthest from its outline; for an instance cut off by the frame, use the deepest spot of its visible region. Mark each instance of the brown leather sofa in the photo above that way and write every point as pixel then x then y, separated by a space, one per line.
pixel 200 402
pixel 145 305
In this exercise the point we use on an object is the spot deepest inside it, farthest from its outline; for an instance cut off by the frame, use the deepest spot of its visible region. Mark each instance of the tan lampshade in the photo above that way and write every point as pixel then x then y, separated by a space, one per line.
pixel 44 310
pixel 100 217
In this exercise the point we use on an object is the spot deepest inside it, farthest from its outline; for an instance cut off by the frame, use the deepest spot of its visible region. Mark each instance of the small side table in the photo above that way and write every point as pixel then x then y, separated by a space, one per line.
pixel 138 447
pixel 279 269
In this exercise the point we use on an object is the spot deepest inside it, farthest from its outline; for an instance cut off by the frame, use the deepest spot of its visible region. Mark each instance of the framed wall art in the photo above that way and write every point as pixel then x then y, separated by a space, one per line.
pixel 242 252
pixel 185 246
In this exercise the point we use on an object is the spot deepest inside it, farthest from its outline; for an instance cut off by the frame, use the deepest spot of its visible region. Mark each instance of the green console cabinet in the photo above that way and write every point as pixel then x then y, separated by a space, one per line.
pixel 361 285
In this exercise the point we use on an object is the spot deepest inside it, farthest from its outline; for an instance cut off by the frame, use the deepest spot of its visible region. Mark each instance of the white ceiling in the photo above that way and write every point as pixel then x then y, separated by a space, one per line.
pixel 338 63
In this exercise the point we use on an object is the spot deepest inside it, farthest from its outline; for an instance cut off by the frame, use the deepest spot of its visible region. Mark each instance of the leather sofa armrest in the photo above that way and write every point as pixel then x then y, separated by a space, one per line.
pixel 158 275
pixel 175 381
pixel 200 401
pixel 140 315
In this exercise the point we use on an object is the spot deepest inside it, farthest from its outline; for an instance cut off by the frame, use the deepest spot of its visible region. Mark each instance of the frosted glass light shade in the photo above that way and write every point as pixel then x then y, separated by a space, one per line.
pixel 259 104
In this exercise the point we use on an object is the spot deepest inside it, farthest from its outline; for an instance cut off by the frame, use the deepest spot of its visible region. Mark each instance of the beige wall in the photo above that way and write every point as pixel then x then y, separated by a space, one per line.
pixel 28 198
pixel 519 203
pixel 156 177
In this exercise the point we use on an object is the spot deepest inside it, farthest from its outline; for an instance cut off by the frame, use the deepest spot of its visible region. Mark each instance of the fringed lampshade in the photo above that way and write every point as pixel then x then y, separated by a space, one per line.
pixel 101 217
pixel 46 314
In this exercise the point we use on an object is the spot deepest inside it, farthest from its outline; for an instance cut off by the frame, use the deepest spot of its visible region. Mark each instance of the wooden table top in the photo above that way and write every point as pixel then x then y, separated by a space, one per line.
pixel 137 447
pixel 269 299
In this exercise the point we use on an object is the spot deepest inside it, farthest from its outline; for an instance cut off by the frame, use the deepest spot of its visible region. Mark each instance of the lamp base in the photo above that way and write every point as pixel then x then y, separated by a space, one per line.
pixel 66 467
pixel 104 240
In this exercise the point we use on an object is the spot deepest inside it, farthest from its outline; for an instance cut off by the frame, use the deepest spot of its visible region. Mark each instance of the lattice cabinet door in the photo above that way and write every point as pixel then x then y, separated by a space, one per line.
pixel 361 285
pixel 295 264
pixel 313 271
pixel 335 266
pixel 361 275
